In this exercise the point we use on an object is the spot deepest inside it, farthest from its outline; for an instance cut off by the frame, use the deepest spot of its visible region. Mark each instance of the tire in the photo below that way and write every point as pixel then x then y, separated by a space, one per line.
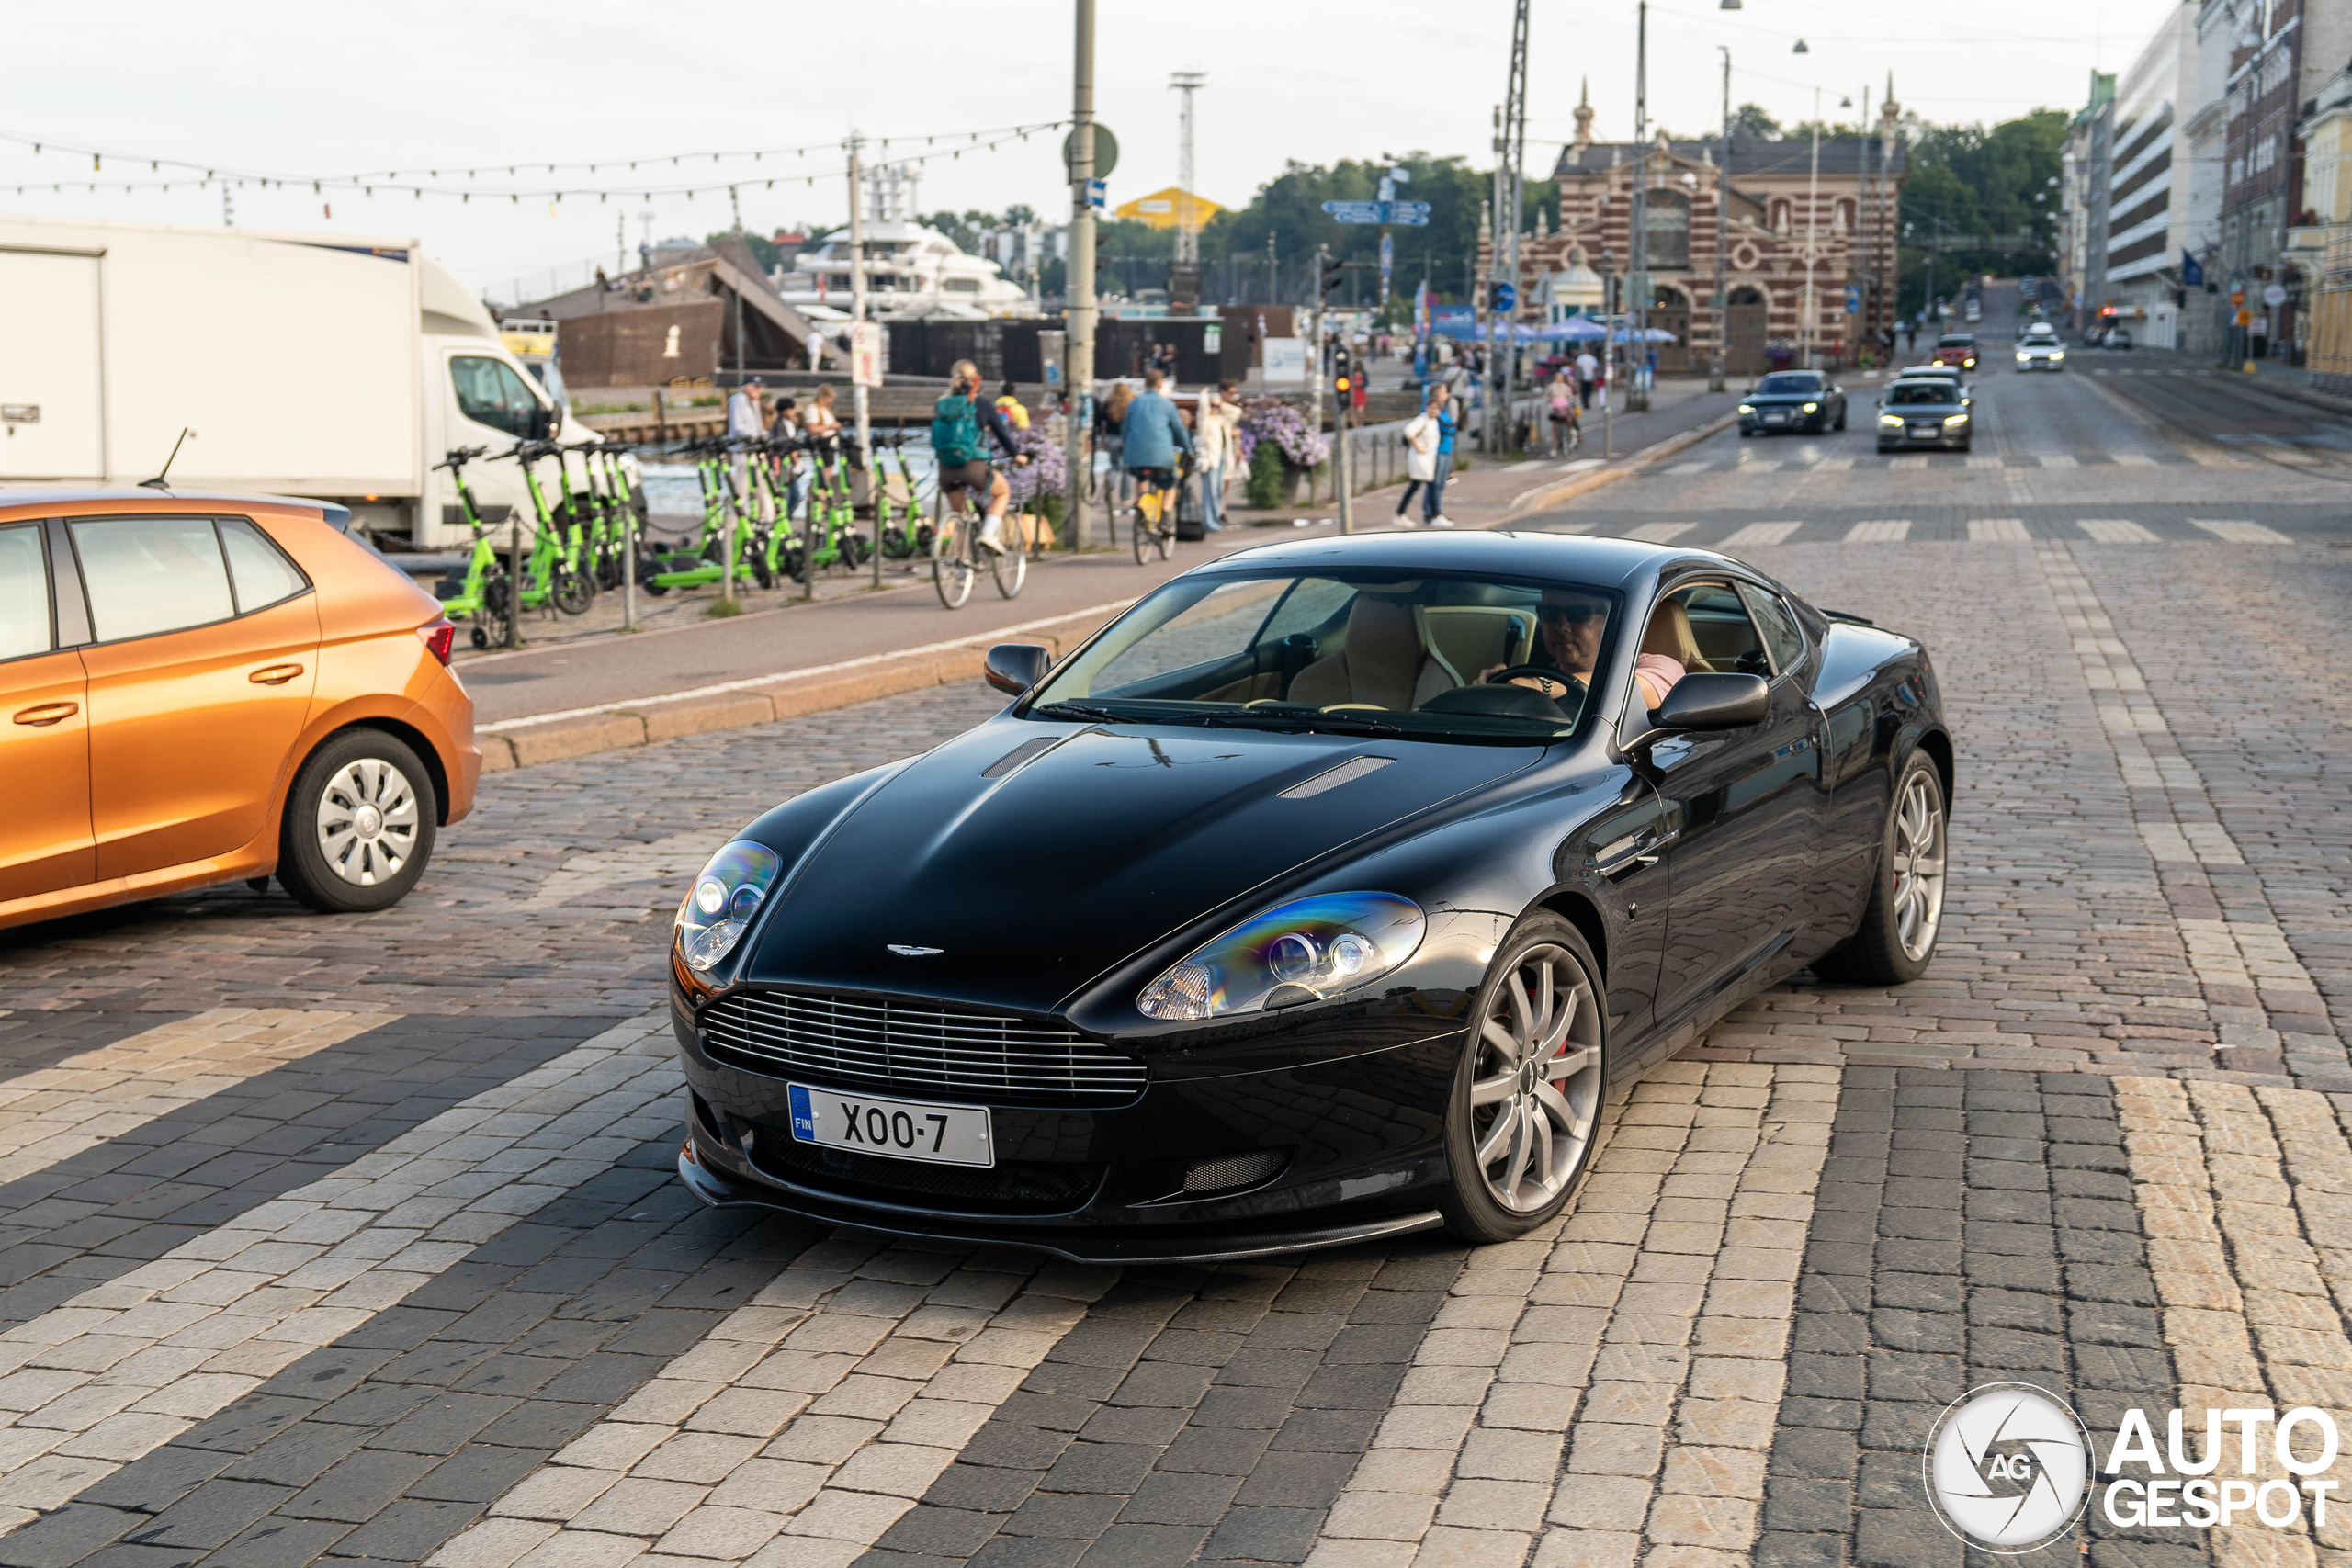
pixel 1142 537
pixel 1841 419
pixel 1552 1121
pixel 1896 939
pixel 326 857
pixel 574 590
pixel 1009 566
pixel 952 569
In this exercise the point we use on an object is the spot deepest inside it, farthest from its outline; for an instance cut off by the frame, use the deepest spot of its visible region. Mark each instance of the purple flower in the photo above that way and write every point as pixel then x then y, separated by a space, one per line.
pixel 1043 473
pixel 1284 424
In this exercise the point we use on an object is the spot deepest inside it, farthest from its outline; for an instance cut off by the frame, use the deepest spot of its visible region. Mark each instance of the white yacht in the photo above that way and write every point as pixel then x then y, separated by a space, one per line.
pixel 912 272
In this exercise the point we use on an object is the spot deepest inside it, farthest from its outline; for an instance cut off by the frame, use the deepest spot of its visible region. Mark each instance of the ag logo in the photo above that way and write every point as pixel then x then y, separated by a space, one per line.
pixel 2007 1467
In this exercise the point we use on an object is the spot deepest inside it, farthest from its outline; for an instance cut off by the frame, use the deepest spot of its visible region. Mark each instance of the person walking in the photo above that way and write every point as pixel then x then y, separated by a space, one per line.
pixel 1568 430
pixel 1110 436
pixel 745 422
pixel 1214 447
pixel 820 423
pixel 1587 371
pixel 1429 457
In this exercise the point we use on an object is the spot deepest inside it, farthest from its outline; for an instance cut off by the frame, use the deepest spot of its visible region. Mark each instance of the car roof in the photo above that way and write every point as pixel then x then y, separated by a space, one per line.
pixel 1629 564
pixel 38 501
pixel 1955 339
pixel 1940 383
pixel 1925 372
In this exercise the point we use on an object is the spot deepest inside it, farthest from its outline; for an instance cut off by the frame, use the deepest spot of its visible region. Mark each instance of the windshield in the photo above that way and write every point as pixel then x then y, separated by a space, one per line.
pixel 1356 650
pixel 1799 382
pixel 1919 392
pixel 1956 340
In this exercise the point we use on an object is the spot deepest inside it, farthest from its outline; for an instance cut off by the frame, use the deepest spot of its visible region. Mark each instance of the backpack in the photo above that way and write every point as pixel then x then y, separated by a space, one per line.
pixel 955 432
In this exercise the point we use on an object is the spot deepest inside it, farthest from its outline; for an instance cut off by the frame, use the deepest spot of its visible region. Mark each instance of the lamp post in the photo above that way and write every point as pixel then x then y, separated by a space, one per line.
pixel 1079 307
pixel 1715 383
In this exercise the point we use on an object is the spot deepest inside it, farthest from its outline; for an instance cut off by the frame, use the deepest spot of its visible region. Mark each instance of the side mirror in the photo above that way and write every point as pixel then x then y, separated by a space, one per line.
pixel 1714 702
pixel 542 422
pixel 1013 667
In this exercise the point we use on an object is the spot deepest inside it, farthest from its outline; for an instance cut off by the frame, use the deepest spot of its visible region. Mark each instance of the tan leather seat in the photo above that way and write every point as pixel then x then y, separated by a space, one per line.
pixel 1383 661
pixel 1669 634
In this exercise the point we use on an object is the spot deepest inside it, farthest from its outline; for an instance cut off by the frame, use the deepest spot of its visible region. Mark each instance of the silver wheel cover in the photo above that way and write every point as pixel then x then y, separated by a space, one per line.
pixel 367 821
pixel 1917 894
pixel 1535 1079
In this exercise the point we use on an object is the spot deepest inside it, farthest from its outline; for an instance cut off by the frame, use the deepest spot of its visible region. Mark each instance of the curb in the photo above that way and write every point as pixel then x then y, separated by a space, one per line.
pixel 626 728
pixel 1542 496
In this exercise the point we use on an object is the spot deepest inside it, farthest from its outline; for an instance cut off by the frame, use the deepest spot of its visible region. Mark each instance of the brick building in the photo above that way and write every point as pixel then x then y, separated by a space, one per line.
pixel 1849 229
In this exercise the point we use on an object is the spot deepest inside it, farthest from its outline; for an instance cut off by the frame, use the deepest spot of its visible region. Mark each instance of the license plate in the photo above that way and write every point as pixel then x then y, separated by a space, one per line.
pixel 1776 418
pixel 1923 433
pixel 895 1129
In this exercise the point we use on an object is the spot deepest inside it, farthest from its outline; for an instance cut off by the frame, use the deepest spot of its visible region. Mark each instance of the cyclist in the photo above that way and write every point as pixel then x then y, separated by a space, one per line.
pixel 957 422
pixel 1152 435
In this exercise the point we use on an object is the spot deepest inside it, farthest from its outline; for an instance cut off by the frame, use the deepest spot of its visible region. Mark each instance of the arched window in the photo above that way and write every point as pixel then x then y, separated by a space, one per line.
pixel 1846 215
pixel 1744 294
pixel 1781 215
pixel 1667 225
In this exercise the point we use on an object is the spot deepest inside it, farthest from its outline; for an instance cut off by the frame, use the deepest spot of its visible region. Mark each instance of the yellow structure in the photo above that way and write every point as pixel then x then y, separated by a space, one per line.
pixel 1165 208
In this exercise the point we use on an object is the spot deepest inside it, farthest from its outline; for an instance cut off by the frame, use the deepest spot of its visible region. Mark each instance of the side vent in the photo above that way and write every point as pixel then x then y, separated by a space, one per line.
pixel 1021 756
pixel 1347 771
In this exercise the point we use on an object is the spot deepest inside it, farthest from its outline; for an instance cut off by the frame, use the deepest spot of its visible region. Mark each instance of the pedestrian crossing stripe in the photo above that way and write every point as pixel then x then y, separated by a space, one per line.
pixel 2233 531
pixel 2132 459
pixel 1698 467
pixel 1985 462
pixel 2115 531
pixel 1999 530
pixel 1760 534
pixel 1835 465
pixel 1659 533
pixel 1881 531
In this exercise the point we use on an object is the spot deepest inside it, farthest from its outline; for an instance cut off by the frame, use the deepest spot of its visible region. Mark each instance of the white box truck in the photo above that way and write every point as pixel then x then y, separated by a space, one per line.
pixel 309 364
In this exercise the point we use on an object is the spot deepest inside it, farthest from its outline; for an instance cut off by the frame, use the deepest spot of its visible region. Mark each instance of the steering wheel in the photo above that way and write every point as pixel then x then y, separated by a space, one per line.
pixel 1505 676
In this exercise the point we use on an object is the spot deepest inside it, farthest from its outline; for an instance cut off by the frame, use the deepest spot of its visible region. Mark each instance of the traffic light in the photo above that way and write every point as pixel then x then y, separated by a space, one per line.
pixel 1331 269
pixel 1342 376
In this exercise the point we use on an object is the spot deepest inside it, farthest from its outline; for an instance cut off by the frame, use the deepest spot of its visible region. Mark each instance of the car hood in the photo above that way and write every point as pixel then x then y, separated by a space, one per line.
pixel 1785 400
pixel 1094 846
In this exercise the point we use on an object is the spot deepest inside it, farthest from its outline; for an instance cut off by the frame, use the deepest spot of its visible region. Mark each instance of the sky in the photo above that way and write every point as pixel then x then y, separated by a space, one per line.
pixel 297 90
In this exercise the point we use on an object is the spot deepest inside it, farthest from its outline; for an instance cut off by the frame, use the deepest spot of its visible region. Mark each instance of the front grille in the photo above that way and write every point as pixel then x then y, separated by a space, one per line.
pixel 1009 1187
pixel 917 1048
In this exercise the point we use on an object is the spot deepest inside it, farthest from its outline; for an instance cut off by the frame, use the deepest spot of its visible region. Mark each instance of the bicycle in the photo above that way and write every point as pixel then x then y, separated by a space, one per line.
pixel 1155 514
pixel 955 547
pixel 481 592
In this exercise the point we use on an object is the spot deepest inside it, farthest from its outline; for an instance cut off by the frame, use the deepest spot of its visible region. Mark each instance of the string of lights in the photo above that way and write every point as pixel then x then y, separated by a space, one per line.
pixel 391 182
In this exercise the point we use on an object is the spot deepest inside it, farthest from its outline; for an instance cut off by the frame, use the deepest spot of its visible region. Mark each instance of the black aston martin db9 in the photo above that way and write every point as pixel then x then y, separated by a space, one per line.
pixel 1327 893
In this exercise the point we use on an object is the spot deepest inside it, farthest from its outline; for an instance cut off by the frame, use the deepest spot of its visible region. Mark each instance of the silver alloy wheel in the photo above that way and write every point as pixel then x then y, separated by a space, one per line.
pixel 367 821
pixel 1535 1085
pixel 1919 867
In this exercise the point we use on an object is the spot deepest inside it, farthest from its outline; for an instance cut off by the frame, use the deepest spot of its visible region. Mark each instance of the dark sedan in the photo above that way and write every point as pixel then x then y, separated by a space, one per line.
pixel 1793 400
pixel 1925 412
pixel 1327 893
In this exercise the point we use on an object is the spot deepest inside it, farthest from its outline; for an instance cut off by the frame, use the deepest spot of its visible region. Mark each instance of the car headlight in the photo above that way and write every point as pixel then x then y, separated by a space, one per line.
pixel 724 897
pixel 2023 356
pixel 1301 952
pixel 2057 354
pixel 1747 408
pixel 1810 407
pixel 1890 419
pixel 1956 419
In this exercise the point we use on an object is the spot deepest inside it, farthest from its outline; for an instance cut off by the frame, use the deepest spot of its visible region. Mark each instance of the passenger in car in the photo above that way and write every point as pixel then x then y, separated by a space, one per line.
pixel 1572 624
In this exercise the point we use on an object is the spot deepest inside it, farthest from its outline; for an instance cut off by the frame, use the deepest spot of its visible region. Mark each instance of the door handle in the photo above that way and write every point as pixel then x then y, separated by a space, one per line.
pixel 274 674
pixel 42 715
pixel 1645 853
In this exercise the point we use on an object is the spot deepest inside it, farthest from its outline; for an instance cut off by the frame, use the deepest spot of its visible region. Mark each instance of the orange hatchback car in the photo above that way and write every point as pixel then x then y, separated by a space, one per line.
pixel 213 688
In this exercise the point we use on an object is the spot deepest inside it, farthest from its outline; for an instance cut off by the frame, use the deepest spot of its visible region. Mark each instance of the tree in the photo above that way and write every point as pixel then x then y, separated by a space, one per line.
pixel 1979 182
pixel 1750 121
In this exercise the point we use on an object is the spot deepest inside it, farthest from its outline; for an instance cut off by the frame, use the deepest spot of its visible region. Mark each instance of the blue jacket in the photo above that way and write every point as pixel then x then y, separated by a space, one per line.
pixel 1155 433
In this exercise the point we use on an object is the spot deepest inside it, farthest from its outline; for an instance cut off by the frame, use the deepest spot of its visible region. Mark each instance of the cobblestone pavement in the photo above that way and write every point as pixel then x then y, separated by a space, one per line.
pixel 356 1240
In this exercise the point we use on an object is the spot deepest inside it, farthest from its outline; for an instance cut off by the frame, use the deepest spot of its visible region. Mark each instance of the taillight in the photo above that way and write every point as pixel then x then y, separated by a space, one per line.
pixel 440 637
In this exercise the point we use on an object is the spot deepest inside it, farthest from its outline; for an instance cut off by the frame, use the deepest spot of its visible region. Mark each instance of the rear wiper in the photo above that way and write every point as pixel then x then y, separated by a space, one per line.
pixel 1080 711
pixel 1329 723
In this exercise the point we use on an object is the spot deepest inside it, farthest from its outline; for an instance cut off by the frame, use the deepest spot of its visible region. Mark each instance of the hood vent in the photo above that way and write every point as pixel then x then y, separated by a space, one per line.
pixel 1021 756
pixel 1347 771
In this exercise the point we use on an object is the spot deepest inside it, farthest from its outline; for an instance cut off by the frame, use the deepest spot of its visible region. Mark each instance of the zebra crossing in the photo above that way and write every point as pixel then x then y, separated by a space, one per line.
pixel 1745 462
pixel 1732 534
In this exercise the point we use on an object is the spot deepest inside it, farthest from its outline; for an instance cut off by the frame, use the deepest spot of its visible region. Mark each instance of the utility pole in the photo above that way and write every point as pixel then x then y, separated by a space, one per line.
pixel 1716 383
pixel 1639 270
pixel 1812 228
pixel 859 393
pixel 1188 217
pixel 1490 427
pixel 1514 162
pixel 1077 311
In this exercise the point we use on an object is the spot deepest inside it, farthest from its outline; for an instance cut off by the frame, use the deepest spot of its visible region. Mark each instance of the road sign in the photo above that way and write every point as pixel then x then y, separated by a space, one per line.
pixel 1106 151
pixel 1853 299
pixel 1505 296
pixel 865 353
pixel 2276 295
pixel 1095 195
pixel 1411 214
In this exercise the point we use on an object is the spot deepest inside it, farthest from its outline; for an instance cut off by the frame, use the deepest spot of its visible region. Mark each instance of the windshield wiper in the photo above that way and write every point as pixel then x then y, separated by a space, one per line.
pixel 1326 723
pixel 1078 711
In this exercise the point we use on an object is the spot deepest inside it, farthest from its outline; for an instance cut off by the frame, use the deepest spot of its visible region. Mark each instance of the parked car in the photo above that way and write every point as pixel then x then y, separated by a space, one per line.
pixel 217 688
pixel 1924 412
pixel 1793 400
pixel 1339 930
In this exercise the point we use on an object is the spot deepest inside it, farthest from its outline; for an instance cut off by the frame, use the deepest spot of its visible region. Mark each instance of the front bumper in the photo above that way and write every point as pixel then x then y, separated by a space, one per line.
pixel 1945 441
pixel 1361 1141
pixel 1806 423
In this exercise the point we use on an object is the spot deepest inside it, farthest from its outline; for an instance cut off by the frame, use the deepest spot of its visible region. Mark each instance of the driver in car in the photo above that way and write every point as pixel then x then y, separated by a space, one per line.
pixel 1572 624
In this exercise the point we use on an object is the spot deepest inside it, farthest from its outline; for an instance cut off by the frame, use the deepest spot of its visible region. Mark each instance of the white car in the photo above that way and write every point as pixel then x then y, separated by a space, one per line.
pixel 2039 349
